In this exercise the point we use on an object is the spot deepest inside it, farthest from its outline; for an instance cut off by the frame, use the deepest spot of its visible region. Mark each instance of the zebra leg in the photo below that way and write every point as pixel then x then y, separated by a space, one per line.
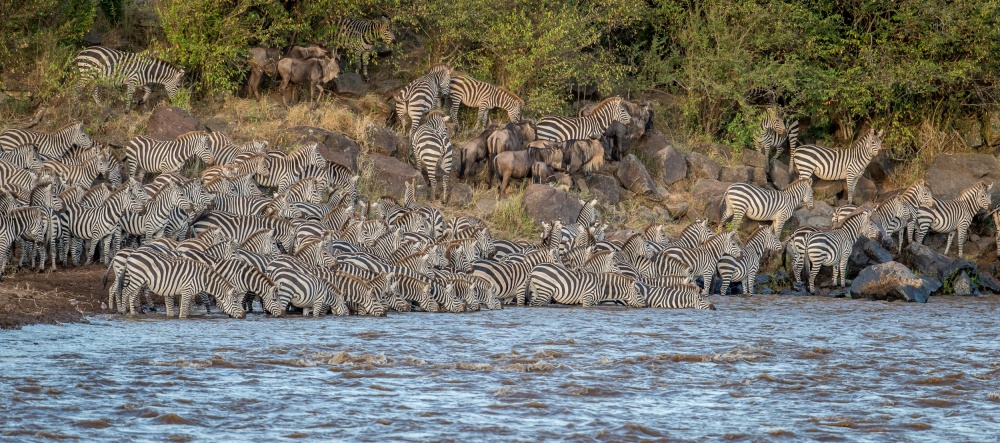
pixel 707 278
pixel 187 297
pixel 444 189
pixel 130 293
pixel 813 272
pixel 947 246
pixel 748 282
pixel 91 251
pixel 724 289
pixel 852 182
pixel 843 270
pixel 168 301
pixel 482 118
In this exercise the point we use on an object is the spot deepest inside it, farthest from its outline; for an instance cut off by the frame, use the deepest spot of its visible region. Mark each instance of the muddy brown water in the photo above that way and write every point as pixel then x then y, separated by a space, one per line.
pixel 764 368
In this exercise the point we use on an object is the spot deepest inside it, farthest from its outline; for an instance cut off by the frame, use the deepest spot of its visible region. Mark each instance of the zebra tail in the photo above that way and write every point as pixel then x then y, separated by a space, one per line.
pixel 461 162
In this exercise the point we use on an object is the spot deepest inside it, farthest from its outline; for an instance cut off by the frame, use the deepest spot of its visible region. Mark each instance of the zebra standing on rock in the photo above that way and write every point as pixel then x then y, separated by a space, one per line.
pixel 49 146
pixel 745 199
pixel 833 164
pixel 479 94
pixel 954 215
pixel 833 247
pixel 433 151
pixel 560 129
pixel 147 154
pixel 359 36
pixel 419 97
pixel 774 133
pixel 746 266
pixel 126 68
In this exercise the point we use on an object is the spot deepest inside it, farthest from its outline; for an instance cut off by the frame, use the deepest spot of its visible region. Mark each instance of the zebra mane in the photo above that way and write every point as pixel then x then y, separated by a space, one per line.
pixel 606 102
pixel 438 67
pixel 861 210
pixel 190 135
pixel 69 126
pixel 973 190
pixel 866 139
pixel 508 92
pixel 756 234
pixel 796 183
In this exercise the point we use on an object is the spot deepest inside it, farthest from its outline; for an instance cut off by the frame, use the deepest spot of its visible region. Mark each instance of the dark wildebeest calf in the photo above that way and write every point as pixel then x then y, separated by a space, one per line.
pixel 518 164
pixel 473 152
pixel 262 61
pixel 313 72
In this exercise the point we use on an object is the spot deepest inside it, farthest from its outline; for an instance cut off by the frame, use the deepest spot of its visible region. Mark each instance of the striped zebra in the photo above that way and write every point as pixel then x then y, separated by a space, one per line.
pixel 49 146
pixel 510 279
pixel 300 286
pixel 833 164
pixel 365 296
pixel 550 282
pixel 225 150
pixel 359 36
pixel 756 203
pixel 692 236
pixel 83 174
pixel 240 205
pixel 433 151
pixel 796 247
pixel 172 277
pixel 147 154
pixel 479 94
pixel 16 180
pixel 746 266
pixel 775 132
pixel 90 225
pixel 954 215
pixel 151 222
pixel 23 157
pixel 833 247
pixel 128 69
pixel 29 227
pixel 240 227
pixel 560 129
pixel 678 296
pixel 421 96
pixel 701 261
pixel 284 169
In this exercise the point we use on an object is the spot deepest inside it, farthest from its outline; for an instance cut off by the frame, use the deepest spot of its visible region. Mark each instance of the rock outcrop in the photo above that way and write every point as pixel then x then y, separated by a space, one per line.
pixel 545 204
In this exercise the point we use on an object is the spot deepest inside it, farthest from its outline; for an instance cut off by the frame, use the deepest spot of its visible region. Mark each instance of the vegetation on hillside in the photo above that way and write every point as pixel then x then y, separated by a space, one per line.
pixel 910 66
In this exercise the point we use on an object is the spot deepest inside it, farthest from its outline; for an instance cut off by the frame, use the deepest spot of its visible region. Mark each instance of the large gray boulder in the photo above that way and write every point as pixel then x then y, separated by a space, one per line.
pixel 350 84
pixel 779 174
pixel 948 175
pixel 545 204
pixel 333 147
pixel 385 140
pixel 604 188
pixel 703 167
pixel 707 197
pixel 672 165
pixel 737 174
pixel 930 263
pixel 461 195
pixel 167 122
pixel 634 177
pixel 390 175
pixel 867 253
pixel 892 281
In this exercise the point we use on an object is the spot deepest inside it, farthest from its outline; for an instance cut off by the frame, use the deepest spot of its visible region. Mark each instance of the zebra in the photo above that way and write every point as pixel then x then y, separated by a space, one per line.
pixel 509 279
pixel 775 131
pixel 756 203
pixel 418 98
pixel 49 146
pixel 28 225
pixel 17 180
pixel 954 215
pixel 360 35
pixel 832 164
pixel 126 68
pixel 83 174
pixel 97 224
pixel 550 282
pixel 147 154
pixel 24 157
pixel 796 247
pixel 678 296
pixel 300 286
pixel 240 227
pixel 225 150
pixel 365 297
pixel 560 129
pixel 692 236
pixel 284 169
pixel 433 151
pixel 479 94
pixel 171 276
pixel 746 266
pixel 337 177
pixel 833 247
pixel 307 190
pixel 151 222
pixel 701 261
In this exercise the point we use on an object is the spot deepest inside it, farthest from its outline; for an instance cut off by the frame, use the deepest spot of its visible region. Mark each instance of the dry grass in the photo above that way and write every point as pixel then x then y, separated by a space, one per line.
pixel 929 139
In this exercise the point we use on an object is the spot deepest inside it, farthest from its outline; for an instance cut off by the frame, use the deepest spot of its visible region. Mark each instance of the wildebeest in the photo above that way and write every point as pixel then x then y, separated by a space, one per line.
pixel 518 164
pixel 540 173
pixel 262 61
pixel 583 156
pixel 617 134
pixel 473 152
pixel 313 72
pixel 513 137
pixel 307 52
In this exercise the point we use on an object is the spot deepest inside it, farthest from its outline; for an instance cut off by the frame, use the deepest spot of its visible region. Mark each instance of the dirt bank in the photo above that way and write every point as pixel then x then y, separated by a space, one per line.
pixel 53 297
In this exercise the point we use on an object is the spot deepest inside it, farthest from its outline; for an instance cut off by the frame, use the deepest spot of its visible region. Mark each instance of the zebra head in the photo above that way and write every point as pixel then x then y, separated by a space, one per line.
pixel 807 192
pixel 869 229
pixel 731 244
pixel 924 196
pixel 80 138
pixel 771 240
pixel 174 82
pixel 620 112
pixel 871 143
pixel 315 158
pixel 985 199
pixel 269 297
pixel 701 302
pixel 440 74
pixel 384 27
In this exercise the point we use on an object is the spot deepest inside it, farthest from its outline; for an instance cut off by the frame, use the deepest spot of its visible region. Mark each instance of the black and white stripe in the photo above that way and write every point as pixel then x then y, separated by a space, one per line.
pixel 147 268
pixel 746 266
pixel 421 96
pixel 834 164
pixel 90 225
pixel 225 150
pixel 510 279
pixel 360 36
pixel 775 133
pixel 284 169
pixel 833 247
pixel 48 146
pixel 756 203
pixel 300 286
pixel 559 129
pixel 433 151
pixel 484 96
pixel 673 297
pixel 700 261
pixel 147 154
pixel 128 69
pixel 951 216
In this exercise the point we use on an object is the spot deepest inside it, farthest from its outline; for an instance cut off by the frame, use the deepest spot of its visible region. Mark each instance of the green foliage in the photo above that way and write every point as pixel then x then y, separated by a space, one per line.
pixel 30 29
pixel 211 38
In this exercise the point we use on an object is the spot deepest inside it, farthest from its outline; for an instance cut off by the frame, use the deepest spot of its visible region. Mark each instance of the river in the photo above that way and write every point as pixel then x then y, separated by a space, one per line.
pixel 762 368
